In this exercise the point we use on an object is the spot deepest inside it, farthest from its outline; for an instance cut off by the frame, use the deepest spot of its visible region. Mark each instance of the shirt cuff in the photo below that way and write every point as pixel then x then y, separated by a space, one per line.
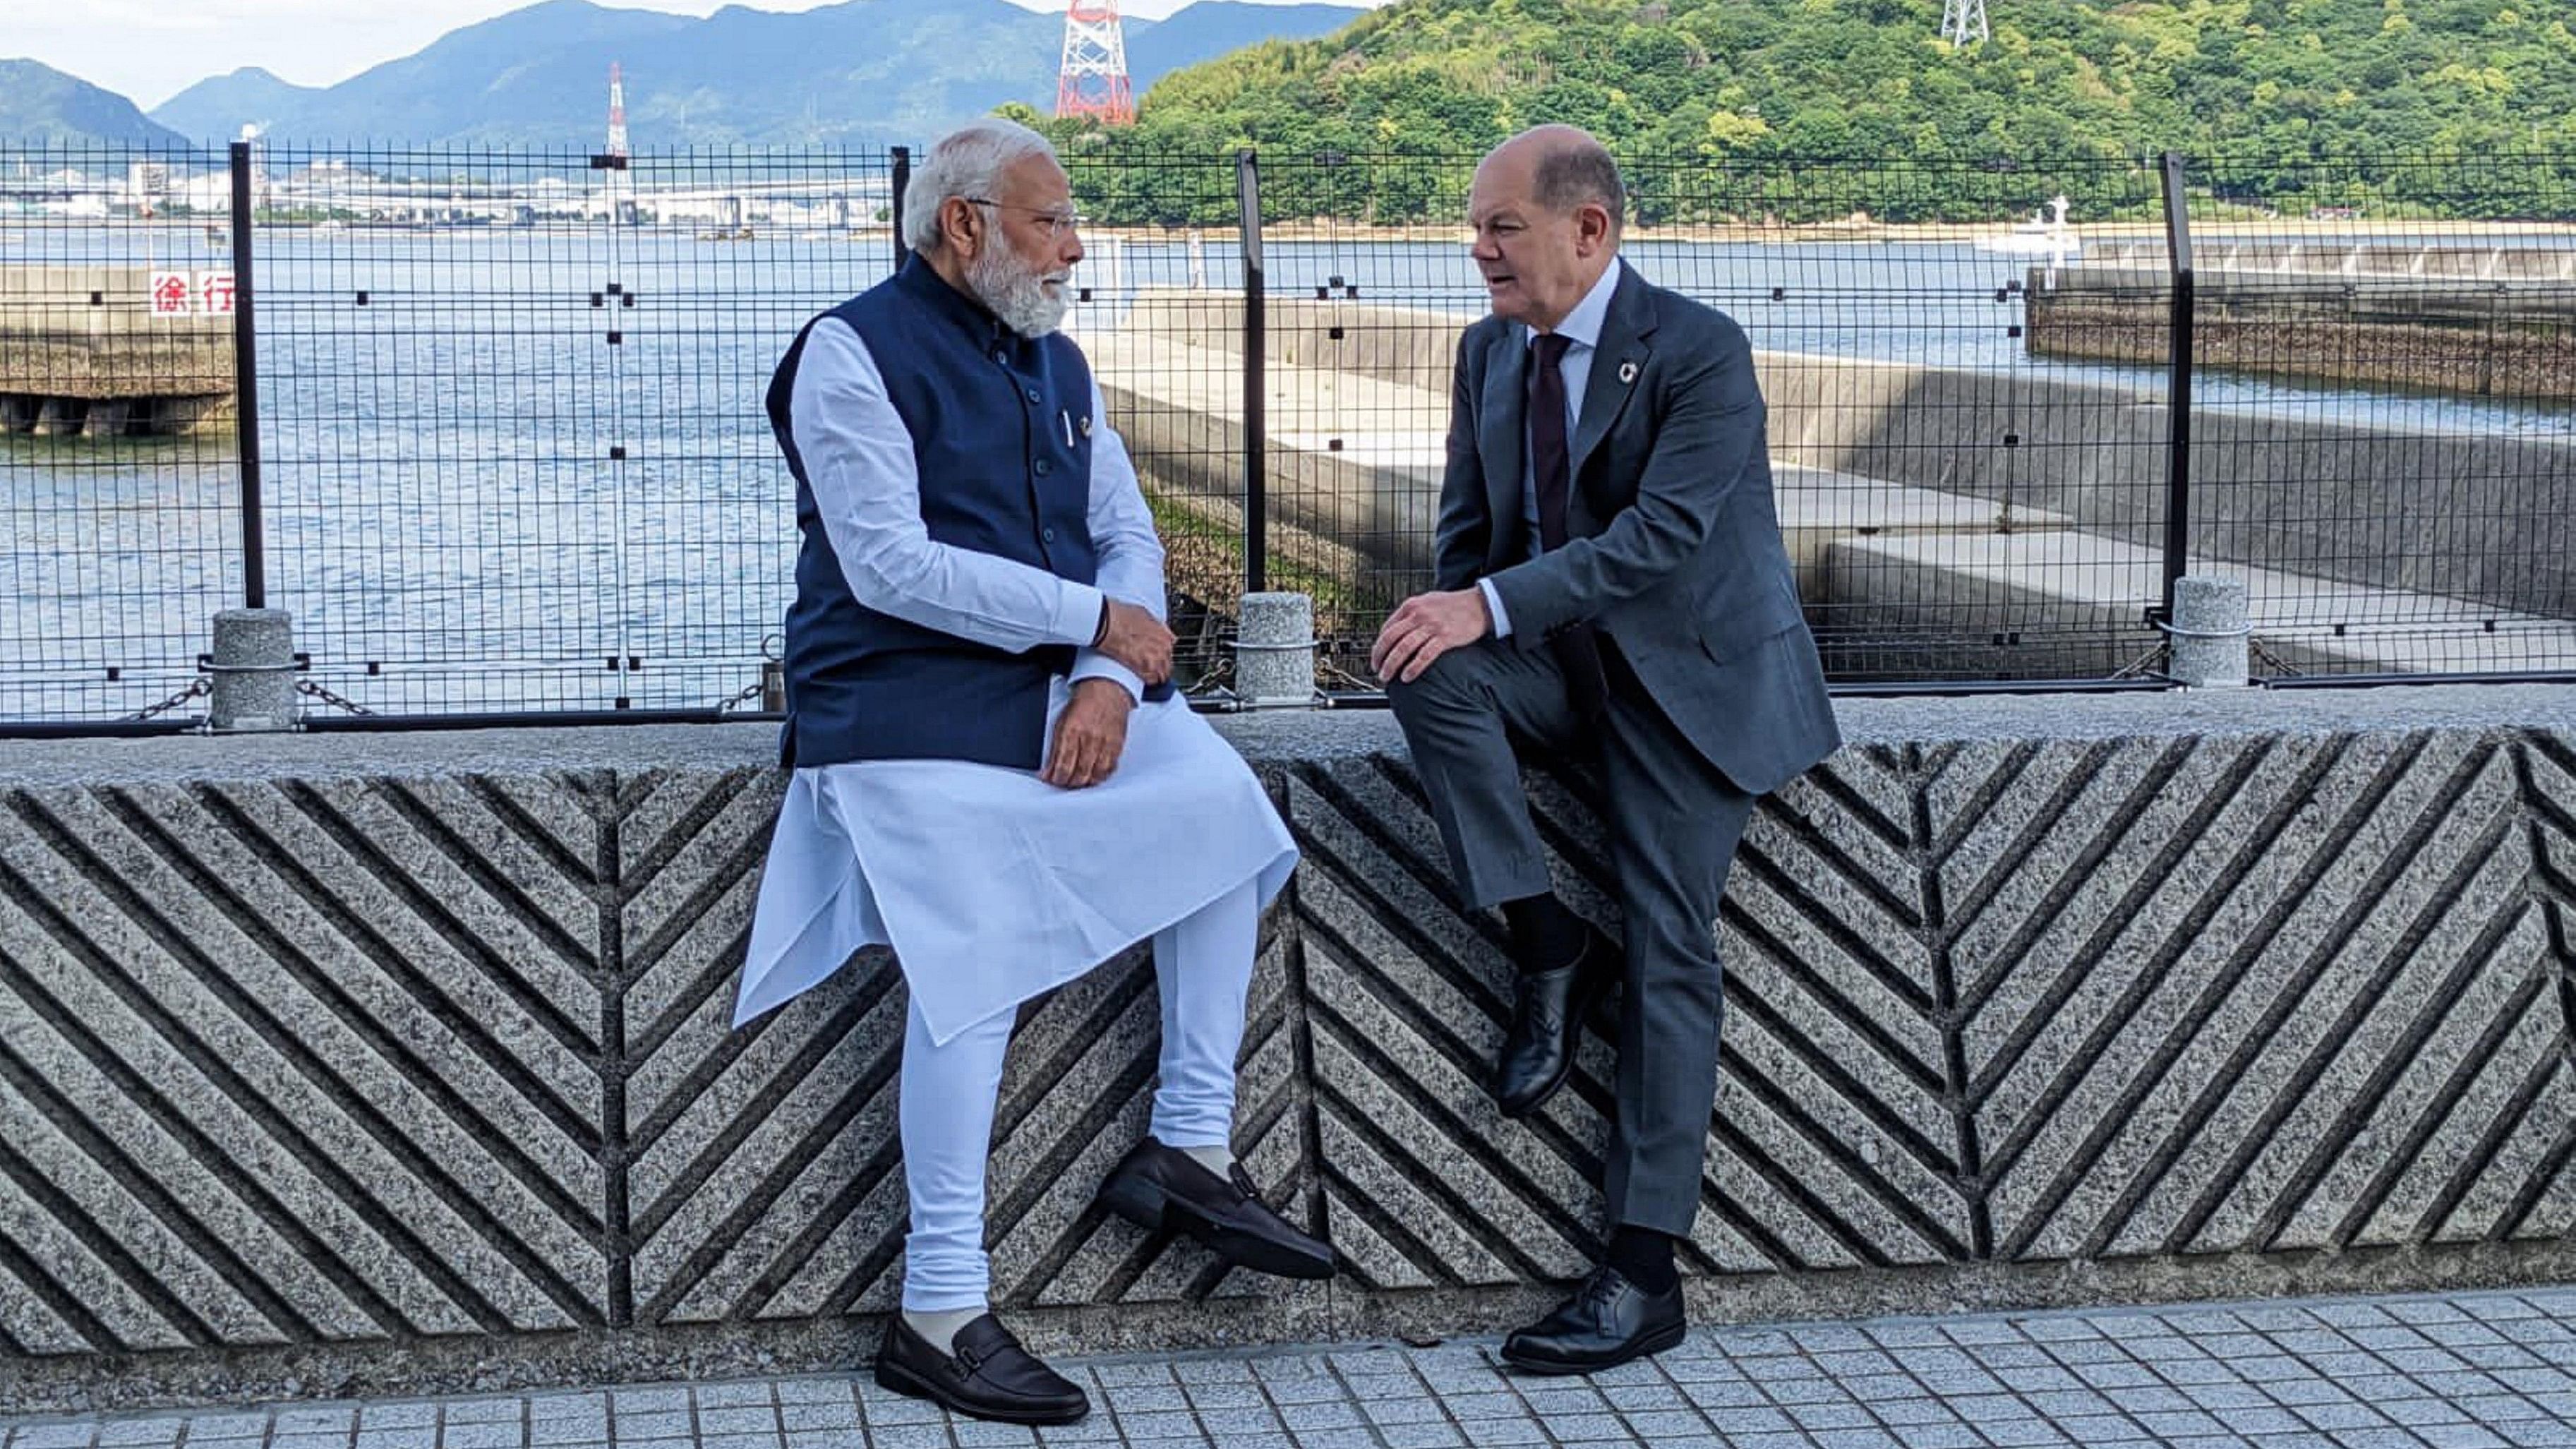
pixel 1494 606
pixel 1092 664
pixel 1077 614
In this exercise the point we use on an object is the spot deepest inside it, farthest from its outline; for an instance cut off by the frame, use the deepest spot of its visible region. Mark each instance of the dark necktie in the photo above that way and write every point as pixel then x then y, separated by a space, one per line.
pixel 1578 653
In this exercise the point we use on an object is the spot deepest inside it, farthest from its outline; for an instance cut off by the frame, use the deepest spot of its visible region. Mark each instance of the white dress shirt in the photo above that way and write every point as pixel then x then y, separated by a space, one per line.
pixel 992 885
pixel 1581 329
pixel 858 460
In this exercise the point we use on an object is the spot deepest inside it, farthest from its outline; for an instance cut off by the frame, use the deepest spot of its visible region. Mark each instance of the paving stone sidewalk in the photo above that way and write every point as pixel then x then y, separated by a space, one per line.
pixel 2464 1371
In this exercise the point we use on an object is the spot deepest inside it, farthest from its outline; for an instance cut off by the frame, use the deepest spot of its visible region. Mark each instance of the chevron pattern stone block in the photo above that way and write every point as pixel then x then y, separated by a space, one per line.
pixel 1833 1145
pixel 2549 801
pixel 297 1062
pixel 768 1173
pixel 366 1063
pixel 2549 797
pixel 2001 1000
pixel 365 1059
pixel 2246 994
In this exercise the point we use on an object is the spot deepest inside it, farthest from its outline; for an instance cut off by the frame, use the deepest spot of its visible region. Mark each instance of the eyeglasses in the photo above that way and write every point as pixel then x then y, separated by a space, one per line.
pixel 1058 223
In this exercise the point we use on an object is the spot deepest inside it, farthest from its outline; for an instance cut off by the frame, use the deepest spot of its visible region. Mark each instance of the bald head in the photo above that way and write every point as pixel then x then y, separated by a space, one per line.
pixel 1546 210
pixel 1567 169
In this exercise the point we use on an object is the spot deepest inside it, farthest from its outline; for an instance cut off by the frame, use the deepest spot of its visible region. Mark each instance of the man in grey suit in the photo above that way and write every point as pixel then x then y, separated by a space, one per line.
pixel 1611 587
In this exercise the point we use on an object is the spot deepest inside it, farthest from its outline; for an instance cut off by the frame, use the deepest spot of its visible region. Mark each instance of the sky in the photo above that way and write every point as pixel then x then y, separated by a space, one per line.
pixel 150 50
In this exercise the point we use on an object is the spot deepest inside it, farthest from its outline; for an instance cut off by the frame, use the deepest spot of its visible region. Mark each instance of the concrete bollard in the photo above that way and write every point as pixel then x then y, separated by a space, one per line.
pixel 1274 650
pixel 253 671
pixel 2210 632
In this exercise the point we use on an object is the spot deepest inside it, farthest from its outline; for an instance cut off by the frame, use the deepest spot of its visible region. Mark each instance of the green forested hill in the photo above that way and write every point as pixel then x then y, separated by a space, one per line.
pixel 1750 84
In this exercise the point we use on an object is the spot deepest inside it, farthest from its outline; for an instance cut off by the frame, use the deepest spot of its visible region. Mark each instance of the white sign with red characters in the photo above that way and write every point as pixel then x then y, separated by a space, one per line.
pixel 171 294
pixel 185 294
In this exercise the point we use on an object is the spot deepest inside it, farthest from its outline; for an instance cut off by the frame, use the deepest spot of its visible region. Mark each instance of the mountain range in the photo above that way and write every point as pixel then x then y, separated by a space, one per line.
pixel 43 106
pixel 863 72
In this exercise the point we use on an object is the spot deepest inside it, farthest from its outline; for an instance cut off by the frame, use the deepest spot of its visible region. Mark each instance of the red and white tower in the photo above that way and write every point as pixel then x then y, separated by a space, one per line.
pixel 1093 81
pixel 616 112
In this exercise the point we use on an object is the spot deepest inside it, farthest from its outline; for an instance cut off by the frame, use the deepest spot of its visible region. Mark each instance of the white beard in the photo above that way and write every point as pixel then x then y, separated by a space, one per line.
pixel 1017 294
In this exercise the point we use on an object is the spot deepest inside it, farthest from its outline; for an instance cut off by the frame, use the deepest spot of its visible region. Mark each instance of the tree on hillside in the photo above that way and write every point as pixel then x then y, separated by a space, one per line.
pixel 1723 101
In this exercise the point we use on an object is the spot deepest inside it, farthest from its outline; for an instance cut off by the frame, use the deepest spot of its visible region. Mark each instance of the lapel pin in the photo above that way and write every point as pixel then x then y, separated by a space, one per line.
pixel 1627 372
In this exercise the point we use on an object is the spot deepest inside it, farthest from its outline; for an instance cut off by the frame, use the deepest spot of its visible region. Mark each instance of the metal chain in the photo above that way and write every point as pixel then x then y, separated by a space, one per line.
pixel 748 693
pixel 201 686
pixel 306 686
pixel 2151 662
pixel 2281 668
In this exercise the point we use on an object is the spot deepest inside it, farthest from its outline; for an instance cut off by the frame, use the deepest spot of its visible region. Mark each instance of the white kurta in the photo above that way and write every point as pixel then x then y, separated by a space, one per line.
pixel 991 885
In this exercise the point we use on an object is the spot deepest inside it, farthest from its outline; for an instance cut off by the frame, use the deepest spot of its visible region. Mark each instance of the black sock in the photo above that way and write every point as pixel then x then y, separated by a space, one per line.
pixel 1643 1257
pixel 1545 935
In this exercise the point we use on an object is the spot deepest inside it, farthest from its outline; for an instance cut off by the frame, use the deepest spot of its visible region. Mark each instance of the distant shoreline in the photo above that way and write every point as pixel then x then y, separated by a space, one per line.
pixel 1870 231
pixel 1308 232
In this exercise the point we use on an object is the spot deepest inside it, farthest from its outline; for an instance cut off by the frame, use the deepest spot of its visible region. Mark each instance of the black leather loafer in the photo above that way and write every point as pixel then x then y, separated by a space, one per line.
pixel 1158 1187
pixel 1548 1009
pixel 1607 1322
pixel 989 1376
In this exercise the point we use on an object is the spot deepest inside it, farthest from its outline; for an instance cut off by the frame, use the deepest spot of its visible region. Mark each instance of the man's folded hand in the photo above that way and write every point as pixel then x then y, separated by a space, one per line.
pixel 1426 626
pixel 1089 736
pixel 1137 639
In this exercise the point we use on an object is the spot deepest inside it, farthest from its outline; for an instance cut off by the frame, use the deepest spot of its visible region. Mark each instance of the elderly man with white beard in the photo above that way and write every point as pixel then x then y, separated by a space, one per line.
pixel 991 772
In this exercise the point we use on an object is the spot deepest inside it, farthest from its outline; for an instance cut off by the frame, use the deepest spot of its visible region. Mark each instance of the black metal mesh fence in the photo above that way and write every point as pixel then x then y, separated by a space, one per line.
pixel 2392 470
pixel 118 486
pixel 1957 504
pixel 1930 467
pixel 514 459
pixel 1159 313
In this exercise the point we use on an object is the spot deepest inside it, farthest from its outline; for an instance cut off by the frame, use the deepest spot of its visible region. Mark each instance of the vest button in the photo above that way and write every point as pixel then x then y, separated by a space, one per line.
pixel 1044 467
pixel 1046 535
pixel 1033 394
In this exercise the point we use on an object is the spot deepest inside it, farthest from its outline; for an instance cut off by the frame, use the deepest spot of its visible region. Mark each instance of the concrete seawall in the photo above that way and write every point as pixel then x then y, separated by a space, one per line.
pixel 2460 336
pixel 81 354
pixel 347 1064
pixel 2465 521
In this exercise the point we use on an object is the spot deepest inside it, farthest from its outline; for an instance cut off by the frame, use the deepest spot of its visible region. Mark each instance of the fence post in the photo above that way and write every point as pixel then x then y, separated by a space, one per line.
pixel 246 385
pixel 902 179
pixel 1256 386
pixel 2178 402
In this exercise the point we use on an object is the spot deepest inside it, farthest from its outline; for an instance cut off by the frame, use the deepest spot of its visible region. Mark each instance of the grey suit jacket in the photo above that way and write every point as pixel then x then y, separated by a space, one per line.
pixel 1673 545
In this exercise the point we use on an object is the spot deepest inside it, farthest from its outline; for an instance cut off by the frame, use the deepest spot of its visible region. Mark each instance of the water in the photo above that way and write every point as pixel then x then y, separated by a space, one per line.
pixel 474 499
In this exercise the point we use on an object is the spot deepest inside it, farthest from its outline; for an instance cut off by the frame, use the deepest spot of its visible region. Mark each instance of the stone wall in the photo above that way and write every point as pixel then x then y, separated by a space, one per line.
pixel 81 351
pixel 2475 338
pixel 338 1064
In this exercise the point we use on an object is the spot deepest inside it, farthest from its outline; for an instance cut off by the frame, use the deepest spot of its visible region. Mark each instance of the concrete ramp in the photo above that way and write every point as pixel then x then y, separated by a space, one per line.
pixel 1355 462
pixel 2079 602
pixel 1358 458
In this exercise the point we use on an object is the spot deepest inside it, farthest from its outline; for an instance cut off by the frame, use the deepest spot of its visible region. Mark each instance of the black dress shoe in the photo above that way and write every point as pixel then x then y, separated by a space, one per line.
pixel 1607 1322
pixel 1548 1008
pixel 989 1376
pixel 1157 1187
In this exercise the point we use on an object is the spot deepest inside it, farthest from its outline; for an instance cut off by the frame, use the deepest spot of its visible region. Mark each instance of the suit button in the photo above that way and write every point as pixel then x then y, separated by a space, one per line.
pixel 1046 535
pixel 1044 467
pixel 1033 394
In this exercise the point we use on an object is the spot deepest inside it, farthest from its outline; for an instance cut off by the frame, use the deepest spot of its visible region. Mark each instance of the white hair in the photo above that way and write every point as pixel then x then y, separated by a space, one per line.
pixel 968 161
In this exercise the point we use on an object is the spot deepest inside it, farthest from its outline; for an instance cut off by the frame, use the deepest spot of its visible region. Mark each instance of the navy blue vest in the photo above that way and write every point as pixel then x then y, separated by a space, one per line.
pixel 985 408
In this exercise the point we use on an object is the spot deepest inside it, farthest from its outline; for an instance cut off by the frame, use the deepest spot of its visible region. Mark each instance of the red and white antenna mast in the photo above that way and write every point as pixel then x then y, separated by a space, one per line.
pixel 1093 81
pixel 616 112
